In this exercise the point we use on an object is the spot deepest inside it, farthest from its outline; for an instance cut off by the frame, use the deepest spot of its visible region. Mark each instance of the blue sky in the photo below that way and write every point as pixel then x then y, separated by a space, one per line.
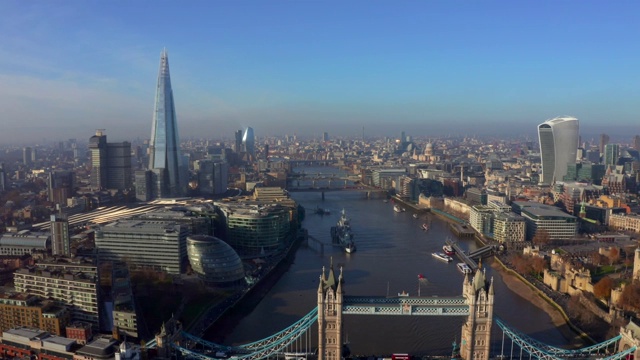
pixel 284 67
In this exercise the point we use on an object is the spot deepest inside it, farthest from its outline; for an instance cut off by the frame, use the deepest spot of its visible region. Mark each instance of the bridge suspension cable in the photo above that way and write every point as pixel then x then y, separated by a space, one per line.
pixel 261 349
pixel 545 351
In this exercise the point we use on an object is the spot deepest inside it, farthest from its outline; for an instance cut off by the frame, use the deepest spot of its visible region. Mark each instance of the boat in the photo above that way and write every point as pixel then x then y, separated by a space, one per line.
pixel 449 250
pixel 321 211
pixel 385 201
pixel 403 294
pixel 341 234
pixel 397 208
pixel 350 248
pixel 464 268
pixel 425 226
pixel 415 216
pixel 442 256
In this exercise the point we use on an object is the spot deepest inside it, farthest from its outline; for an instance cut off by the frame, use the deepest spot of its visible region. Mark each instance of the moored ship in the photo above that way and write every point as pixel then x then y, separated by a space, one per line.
pixel 449 250
pixel 341 234
pixel 464 268
pixel 441 256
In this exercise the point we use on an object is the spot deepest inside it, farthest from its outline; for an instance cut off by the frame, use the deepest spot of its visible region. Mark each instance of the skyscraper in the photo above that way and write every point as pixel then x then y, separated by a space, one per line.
pixel 611 154
pixel 249 142
pixel 110 163
pixel 164 147
pixel 558 147
pixel 604 140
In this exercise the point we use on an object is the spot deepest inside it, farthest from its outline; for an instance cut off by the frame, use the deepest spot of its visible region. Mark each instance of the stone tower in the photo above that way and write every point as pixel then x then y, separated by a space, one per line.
pixel 330 316
pixel 636 265
pixel 476 331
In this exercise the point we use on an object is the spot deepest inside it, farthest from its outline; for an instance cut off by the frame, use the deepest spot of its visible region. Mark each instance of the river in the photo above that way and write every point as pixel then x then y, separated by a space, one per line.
pixel 392 251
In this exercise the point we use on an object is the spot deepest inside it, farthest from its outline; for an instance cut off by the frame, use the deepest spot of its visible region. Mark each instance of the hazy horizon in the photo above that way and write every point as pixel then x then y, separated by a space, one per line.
pixel 283 67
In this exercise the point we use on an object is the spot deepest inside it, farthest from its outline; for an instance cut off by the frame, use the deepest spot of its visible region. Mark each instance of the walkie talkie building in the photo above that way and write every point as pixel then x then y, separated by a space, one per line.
pixel 558 147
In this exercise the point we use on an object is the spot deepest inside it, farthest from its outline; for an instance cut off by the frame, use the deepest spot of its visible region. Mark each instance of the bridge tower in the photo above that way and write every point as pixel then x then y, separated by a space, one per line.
pixel 330 316
pixel 629 338
pixel 476 331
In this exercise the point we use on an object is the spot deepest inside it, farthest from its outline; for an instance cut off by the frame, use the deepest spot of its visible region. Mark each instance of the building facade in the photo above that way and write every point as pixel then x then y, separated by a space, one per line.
pixel 159 245
pixel 164 147
pixel 60 238
pixel 558 147
pixel 68 283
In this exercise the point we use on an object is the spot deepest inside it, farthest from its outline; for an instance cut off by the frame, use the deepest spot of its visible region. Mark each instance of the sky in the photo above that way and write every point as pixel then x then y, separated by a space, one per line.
pixel 427 67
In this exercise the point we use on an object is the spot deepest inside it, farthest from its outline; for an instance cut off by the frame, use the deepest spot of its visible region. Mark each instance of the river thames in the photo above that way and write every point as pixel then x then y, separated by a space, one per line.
pixel 392 250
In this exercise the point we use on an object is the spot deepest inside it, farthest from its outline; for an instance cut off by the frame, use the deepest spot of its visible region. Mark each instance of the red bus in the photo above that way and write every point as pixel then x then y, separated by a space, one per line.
pixel 400 357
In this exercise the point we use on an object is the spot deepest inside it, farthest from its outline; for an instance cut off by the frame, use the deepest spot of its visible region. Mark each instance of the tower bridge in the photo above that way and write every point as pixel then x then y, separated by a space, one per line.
pixel 476 304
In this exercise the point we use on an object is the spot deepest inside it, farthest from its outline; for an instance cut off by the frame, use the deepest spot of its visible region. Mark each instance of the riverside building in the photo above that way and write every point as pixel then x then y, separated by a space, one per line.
pixel 255 230
pixel 558 224
pixel 159 245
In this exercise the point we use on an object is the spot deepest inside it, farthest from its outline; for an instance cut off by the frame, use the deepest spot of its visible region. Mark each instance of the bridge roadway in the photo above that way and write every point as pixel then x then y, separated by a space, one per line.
pixel 405 305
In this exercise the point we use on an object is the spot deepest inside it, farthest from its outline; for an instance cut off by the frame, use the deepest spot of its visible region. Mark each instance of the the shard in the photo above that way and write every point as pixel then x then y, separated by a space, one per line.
pixel 164 148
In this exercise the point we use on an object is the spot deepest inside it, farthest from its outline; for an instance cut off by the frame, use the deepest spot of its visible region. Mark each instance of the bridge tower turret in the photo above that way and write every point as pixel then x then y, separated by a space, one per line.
pixel 330 316
pixel 476 331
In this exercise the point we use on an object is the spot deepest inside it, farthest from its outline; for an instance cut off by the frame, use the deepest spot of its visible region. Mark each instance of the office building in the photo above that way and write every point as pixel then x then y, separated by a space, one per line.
pixel 60 239
pixel 26 156
pixel 110 163
pixel 158 245
pixel 68 282
pixel 611 154
pixel 604 140
pixel 61 186
pixel 249 143
pixel 558 147
pixel 3 178
pixel 557 224
pixel 636 143
pixel 238 143
pixel 213 177
pixel 256 229
pixel 164 147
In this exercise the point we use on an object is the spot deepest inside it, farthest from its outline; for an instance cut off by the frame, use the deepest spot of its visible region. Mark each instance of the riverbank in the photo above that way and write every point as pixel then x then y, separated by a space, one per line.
pixel 558 318
pixel 216 327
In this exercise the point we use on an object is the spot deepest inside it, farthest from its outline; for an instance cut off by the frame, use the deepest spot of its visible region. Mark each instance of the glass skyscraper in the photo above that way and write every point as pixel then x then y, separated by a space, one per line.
pixel 249 141
pixel 558 147
pixel 164 148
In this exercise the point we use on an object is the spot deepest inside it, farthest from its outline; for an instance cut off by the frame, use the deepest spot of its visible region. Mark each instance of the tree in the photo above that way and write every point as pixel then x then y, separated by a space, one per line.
pixel 630 299
pixel 602 289
pixel 538 264
pixel 614 255
pixel 541 237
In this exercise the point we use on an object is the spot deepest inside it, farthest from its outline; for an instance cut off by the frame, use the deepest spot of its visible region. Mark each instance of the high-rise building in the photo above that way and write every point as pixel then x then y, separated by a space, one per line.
pixel 604 140
pixel 249 142
pixel 60 239
pixel 110 163
pixel 238 144
pixel 558 147
pixel 26 155
pixel 636 142
pixel 98 149
pixel 213 177
pixel 61 186
pixel 3 178
pixel 164 147
pixel 611 154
